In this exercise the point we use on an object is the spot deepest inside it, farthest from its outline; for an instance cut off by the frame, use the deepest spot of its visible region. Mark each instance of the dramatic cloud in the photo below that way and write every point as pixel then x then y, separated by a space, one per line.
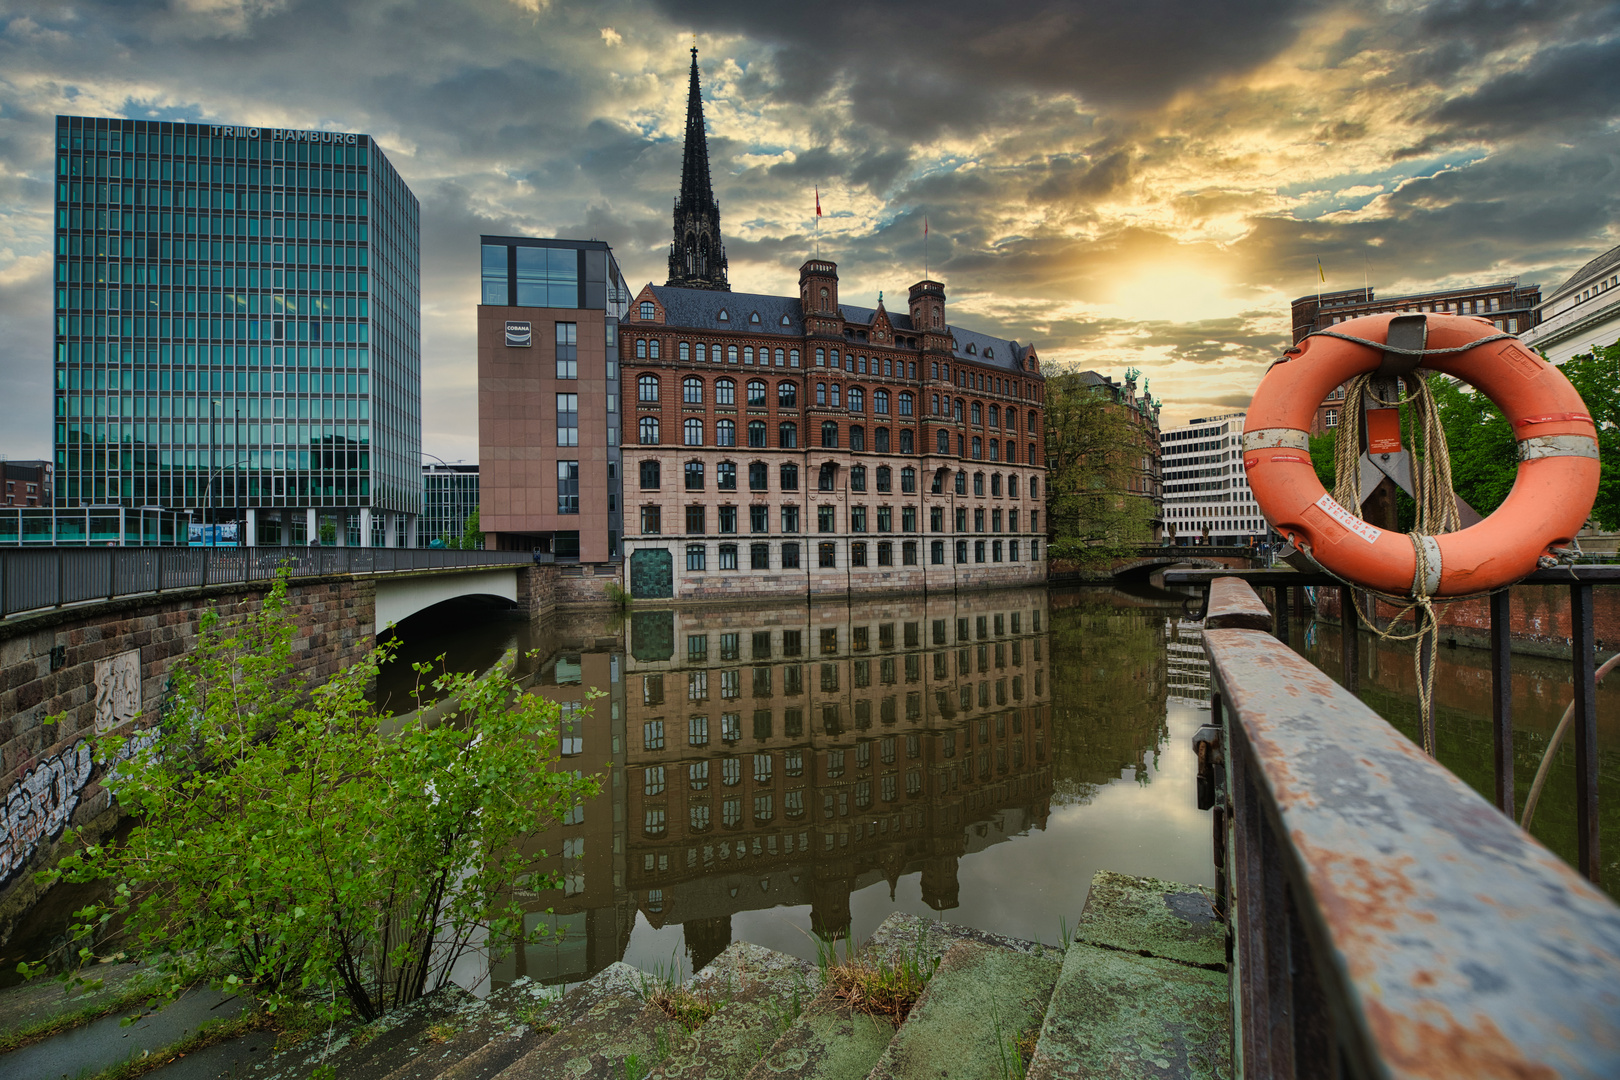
pixel 1141 185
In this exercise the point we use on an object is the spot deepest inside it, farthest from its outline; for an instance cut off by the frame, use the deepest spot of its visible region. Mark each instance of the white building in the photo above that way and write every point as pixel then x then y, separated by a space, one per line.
pixel 1583 313
pixel 1206 495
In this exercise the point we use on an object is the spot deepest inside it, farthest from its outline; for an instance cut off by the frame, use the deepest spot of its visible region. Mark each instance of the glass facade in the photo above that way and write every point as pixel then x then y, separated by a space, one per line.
pixel 237 328
pixel 449 495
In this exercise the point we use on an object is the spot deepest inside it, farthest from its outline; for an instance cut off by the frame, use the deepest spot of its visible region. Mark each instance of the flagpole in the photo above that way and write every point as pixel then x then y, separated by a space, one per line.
pixel 925 249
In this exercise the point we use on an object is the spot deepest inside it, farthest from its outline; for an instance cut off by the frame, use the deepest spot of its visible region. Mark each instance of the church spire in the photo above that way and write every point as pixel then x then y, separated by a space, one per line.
pixel 697 256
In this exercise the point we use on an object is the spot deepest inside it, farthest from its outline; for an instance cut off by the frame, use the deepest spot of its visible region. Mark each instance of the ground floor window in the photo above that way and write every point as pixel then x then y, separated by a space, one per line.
pixel 961 551
pixel 1012 551
pixel 857 554
pixel 908 553
pixel 827 554
pixel 759 556
pixel 936 553
pixel 697 556
pixel 728 556
pixel 885 553
pixel 790 556
pixel 995 551
pixel 978 551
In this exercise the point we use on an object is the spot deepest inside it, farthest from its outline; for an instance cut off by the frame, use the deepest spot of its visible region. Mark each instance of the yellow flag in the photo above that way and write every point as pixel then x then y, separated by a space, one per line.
pixel 1319 271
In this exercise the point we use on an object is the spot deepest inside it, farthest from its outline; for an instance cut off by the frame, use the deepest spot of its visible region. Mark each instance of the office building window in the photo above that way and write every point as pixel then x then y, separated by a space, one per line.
pixel 567 419
pixel 650 520
pixel 827 554
pixel 567 487
pixel 697 557
pixel 651 476
pixel 790 556
pixel 567 350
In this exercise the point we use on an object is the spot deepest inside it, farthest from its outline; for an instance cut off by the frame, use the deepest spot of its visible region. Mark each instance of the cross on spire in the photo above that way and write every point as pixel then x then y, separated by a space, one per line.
pixel 697 255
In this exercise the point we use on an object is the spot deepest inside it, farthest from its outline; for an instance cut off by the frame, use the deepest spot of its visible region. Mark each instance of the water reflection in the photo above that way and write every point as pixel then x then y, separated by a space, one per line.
pixel 778 771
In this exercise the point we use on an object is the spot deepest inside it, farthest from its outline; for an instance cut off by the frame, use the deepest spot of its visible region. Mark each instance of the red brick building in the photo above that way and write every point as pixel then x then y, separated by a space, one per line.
pixel 27 483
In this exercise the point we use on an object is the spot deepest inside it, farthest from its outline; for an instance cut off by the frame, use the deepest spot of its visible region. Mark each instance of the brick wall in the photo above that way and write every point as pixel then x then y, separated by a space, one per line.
pixel 1539 618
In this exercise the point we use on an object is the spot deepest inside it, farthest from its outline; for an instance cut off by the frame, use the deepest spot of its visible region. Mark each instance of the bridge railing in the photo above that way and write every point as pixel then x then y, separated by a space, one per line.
pixel 35 579
pixel 1387 920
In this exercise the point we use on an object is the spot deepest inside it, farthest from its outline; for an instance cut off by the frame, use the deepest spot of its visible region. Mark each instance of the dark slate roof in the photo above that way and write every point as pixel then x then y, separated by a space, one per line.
pixel 700 309
pixel 1590 270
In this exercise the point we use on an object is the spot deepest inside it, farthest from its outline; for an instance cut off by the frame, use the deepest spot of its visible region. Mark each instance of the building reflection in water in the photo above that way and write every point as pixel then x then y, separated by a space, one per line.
pixel 781 756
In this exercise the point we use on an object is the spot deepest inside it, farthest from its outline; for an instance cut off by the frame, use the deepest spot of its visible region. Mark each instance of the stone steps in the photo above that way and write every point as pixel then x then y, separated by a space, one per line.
pixel 763 991
pixel 1143 991
pixel 604 1029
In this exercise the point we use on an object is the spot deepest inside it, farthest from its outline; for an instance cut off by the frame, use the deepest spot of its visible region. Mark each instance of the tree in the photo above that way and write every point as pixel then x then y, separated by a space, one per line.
pixel 471 537
pixel 305 845
pixel 1093 451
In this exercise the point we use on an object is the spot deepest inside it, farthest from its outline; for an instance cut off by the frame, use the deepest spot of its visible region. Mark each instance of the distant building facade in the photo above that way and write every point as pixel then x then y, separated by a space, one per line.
pixel 449 496
pixel 1207 499
pixel 1510 306
pixel 549 409
pixel 27 483
pixel 1582 314
pixel 1145 480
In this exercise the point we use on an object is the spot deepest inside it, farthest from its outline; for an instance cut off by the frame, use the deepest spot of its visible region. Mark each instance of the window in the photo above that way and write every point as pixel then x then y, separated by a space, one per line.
pixel 759 519
pixel 646 310
pixel 1331 419
pixel 1012 485
pixel 567 487
pixel 958 410
pixel 908 518
pixel 834 391
pixel 880 440
pixel 790 519
pixel 857 437
pixel 978 483
pixel 829 434
pixel 756 434
pixel 978 519
pixel 697 734
pixel 726 476
pixel 725 392
pixel 821 393
pixel 789 474
pixel 961 551
pixel 978 551
pixel 694 431
pixel 694 476
pixel 880 402
pixel 748 354
pixel 728 556
pixel 856 399
pixel 936 553
pixel 725 432
pixel 857 519
pixel 885 519
pixel 827 479
pixel 695 523
pixel 652 732
pixel 908 480
pixel 978 448
pixel 650 520
pixel 787 395
pixel 647 388
pixel 826 519
pixel 906 401
pixel 961 483
pixel 759 556
pixel 827 554
pixel 728 519
pixel 696 556
pixel 857 478
pixel 650 476
pixel 977 414
pixel 908 552
pixel 944 442
pixel 648 431
pixel 1032 422
pixel 684 350
pixel 787 436
pixel 703 353
pixel 885 553
pixel 567 419
pixel 692 390
pixel 567 350
pixel 1012 450
pixel 756 393
pixel 731 350
pixel 653 823
pixel 652 780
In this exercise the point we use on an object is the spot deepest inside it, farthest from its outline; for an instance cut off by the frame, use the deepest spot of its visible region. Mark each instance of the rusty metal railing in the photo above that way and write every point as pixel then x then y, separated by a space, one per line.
pixel 1386 919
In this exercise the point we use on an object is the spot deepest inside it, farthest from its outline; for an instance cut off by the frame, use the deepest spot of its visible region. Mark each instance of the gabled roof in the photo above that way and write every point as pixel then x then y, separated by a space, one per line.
pixel 1590 270
pixel 699 309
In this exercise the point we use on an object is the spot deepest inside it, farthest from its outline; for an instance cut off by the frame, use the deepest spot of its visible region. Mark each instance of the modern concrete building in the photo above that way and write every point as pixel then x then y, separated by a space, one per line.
pixel 549 411
pixel 1582 314
pixel 1207 499
pixel 236 329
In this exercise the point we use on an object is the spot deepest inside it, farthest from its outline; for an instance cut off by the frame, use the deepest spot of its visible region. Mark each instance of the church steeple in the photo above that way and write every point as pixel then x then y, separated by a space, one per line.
pixel 697 256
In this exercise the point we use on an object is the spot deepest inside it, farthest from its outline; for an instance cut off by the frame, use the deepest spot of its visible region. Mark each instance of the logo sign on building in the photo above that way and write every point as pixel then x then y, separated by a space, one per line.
pixel 519 335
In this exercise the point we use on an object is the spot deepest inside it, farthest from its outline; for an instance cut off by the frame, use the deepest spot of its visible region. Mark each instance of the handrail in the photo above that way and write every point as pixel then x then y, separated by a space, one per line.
pixel 1387 920
pixel 35 579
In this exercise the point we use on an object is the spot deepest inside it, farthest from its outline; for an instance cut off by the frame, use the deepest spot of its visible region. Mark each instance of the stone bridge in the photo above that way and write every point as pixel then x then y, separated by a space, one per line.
pixel 1157 557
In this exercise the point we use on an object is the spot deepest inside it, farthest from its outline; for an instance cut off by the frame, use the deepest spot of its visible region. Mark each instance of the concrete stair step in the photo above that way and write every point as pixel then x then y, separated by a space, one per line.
pixel 968 1020
pixel 764 992
pixel 368 1051
pixel 1143 992
pixel 603 1029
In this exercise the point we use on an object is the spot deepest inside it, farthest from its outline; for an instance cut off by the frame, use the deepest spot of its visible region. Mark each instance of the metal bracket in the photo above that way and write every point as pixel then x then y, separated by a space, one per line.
pixel 1406 332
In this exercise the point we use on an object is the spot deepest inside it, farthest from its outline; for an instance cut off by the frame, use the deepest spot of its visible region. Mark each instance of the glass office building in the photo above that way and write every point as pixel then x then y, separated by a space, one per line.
pixel 237 331
pixel 449 497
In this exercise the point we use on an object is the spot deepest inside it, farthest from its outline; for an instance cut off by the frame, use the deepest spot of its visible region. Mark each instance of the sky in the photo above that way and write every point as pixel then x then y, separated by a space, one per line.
pixel 1138 185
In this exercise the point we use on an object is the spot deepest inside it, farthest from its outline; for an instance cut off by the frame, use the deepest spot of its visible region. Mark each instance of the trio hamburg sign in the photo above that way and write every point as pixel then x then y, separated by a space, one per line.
pixel 285 135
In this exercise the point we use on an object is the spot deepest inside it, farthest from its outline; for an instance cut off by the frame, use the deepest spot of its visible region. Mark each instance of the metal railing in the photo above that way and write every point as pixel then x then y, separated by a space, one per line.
pixel 1386 919
pixel 32 580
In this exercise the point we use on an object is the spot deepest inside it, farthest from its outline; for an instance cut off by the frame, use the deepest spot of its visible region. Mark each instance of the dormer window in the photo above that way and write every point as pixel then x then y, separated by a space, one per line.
pixel 753 320
pixel 723 317
pixel 785 320
pixel 646 310
pixel 973 350
pixel 989 353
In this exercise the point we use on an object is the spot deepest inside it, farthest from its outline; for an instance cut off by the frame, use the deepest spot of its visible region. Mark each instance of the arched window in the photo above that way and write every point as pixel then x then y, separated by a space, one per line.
pixel 779 354
pixel 885 478
pixel 821 393
pixel 1012 485
pixel 724 316
pixel 944 442
pixel 906 445
pixel 647 388
pixel 694 432
pixel 995 483
pixel 961 482
pixel 684 350
pixel 692 390
pixel 756 433
pixel 905 403
pixel 1012 450
pixel 995 450
pixel 857 438
pixel 725 433
pixel 756 392
pixel 748 354
pixel 651 475
pixel 731 354
pixel 793 358
pixel 790 476
pixel 978 448
pixel 753 318
pixel 995 416
pixel 880 440
pixel 857 399
pixel 646 310
pixel 821 358
pixel 702 353
pixel 959 406
pixel 1029 458
pixel 880 402
pixel 1032 422
pixel 694 475
pixel 829 433
pixel 978 483
pixel 641 348
pixel 1034 487
pixel 857 478
pixel 652 348
pixel 835 392
pixel 787 436
pixel 978 414
pixel 648 431
pixel 725 392
pixel 787 395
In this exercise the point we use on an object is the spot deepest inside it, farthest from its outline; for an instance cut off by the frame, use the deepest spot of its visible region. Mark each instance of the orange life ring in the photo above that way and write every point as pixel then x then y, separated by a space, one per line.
pixel 1552 494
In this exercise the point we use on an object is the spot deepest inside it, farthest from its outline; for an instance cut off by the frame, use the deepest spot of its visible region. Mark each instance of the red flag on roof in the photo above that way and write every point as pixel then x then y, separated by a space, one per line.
pixel 818 201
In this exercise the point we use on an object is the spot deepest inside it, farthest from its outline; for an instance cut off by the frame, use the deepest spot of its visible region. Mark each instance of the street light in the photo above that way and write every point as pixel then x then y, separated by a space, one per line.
pixel 208 494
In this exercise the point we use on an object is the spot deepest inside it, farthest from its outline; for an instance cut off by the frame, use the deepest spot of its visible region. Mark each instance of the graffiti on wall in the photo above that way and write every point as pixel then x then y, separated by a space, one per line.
pixel 39 805
pixel 118 690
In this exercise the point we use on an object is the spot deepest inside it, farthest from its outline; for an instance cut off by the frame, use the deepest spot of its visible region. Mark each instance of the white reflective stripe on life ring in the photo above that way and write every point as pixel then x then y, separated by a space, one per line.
pixel 1546 446
pixel 1267 438
pixel 1431 560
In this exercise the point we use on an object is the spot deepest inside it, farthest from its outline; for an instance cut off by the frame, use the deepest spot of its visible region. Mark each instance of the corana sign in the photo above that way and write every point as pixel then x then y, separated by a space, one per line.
pixel 286 135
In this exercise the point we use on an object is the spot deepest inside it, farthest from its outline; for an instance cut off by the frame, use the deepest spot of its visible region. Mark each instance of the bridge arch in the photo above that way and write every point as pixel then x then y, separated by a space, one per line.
pixel 398 598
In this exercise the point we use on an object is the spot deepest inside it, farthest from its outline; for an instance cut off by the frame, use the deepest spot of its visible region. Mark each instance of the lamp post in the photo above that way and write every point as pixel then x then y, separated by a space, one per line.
pixel 209 495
